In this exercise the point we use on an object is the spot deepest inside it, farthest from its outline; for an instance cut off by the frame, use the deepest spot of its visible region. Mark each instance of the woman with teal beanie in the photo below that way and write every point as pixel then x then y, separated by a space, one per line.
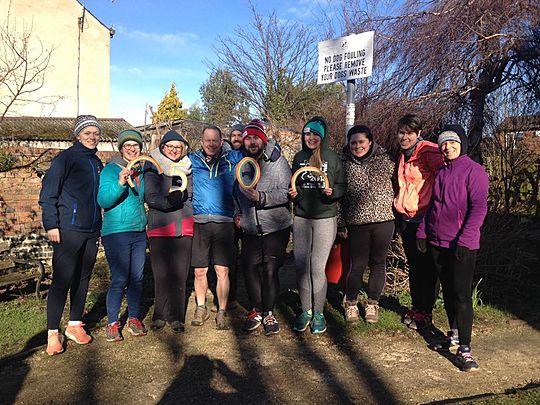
pixel 315 220
pixel 123 233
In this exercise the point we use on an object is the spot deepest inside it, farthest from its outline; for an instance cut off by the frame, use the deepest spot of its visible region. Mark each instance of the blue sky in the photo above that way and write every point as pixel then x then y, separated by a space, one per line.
pixel 158 42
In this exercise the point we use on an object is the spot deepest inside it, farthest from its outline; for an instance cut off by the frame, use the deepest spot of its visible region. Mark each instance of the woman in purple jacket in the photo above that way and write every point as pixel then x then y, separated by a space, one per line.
pixel 451 228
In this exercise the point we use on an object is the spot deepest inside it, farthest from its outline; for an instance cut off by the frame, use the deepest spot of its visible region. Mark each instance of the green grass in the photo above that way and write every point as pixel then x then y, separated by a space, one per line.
pixel 23 318
pixel 490 314
pixel 529 396
pixel 19 321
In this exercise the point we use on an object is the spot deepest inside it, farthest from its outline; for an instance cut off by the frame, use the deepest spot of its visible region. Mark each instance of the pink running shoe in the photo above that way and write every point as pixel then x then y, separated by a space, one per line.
pixel 78 334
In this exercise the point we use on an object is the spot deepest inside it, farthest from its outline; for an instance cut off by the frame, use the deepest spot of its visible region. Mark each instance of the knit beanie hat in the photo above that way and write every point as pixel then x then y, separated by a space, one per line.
pixel 83 121
pixel 237 127
pixel 315 125
pixel 454 133
pixel 256 128
pixel 172 136
pixel 129 135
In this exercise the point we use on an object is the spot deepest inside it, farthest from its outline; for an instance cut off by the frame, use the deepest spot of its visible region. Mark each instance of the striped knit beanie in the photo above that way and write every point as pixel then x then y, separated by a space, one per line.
pixel 256 128
pixel 84 121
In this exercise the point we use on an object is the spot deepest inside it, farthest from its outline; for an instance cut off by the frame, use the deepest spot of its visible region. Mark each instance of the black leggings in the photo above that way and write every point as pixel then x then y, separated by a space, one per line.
pixel 456 280
pixel 73 260
pixel 170 258
pixel 268 252
pixel 368 244
pixel 423 278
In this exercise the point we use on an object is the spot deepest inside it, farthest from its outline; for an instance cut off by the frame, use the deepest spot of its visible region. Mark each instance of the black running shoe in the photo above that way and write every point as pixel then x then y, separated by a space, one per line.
pixel 464 359
pixel 271 325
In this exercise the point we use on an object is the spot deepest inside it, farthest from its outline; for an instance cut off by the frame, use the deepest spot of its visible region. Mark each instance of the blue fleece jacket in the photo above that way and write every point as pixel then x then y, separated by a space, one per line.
pixel 213 183
pixel 69 190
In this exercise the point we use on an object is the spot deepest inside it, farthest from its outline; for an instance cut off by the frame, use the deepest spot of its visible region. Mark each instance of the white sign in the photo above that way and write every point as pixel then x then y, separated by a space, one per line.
pixel 345 58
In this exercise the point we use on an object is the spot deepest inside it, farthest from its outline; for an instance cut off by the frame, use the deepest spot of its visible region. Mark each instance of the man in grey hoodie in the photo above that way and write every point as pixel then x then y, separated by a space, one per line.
pixel 263 214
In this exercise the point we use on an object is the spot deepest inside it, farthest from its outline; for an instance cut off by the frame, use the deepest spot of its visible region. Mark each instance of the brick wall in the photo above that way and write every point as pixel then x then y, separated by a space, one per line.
pixel 19 209
pixel 20 213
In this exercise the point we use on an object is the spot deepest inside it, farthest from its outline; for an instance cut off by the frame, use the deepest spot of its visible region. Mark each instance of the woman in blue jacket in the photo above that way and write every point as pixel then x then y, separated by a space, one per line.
pixel 72 219
pixel 123 233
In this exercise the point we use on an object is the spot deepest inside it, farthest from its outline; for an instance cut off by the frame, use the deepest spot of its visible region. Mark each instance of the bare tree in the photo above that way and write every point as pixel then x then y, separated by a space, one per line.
pixel 275 63
pixel 23 65
pixel 461 56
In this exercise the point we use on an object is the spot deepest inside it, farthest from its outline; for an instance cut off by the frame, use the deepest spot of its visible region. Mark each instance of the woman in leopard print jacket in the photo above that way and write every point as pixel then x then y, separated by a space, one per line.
pixel 366 218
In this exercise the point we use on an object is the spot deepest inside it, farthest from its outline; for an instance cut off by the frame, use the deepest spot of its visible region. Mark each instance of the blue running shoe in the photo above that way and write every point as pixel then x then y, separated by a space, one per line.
pixel 318 323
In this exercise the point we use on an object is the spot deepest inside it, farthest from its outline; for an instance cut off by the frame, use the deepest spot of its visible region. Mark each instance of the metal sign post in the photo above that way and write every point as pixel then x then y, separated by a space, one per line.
pixel 351 107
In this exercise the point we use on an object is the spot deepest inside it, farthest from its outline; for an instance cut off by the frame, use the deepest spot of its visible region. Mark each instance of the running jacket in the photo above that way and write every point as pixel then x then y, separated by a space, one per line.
pixel 68 196
pixel 458 205
pixel 271 213
pixel 415 179
pixel 123 206
pixel 213 183
pixel 168 215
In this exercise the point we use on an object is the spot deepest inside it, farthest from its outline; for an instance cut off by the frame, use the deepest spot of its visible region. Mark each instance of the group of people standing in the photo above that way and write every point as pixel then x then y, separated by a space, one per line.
pixel 192 209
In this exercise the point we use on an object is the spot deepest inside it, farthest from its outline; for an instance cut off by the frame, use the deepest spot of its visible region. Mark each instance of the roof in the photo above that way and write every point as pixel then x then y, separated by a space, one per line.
pixel 53 128
pixel 520 123
pixel 88 11
pixel 189 129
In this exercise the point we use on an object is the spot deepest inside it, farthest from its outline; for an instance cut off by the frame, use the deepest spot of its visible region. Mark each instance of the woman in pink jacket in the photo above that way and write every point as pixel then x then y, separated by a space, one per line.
pixel 418 163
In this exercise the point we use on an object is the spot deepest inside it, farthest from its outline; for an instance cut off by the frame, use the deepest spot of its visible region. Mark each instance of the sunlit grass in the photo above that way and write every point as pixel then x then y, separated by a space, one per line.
pixel 20 319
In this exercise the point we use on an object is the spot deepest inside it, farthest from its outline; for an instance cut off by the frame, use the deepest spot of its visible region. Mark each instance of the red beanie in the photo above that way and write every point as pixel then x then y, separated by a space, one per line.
pixel 255 127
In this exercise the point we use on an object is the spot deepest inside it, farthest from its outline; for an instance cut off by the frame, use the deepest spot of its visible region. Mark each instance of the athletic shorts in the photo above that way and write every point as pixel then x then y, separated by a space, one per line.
pixel 213 243
pixel 262 249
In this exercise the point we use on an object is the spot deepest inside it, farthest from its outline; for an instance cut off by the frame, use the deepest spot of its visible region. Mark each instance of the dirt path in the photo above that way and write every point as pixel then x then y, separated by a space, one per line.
pixel 235 367
pixel 230 366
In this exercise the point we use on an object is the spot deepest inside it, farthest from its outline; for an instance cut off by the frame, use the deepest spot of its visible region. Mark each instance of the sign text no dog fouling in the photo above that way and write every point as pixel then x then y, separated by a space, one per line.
pixel 345 58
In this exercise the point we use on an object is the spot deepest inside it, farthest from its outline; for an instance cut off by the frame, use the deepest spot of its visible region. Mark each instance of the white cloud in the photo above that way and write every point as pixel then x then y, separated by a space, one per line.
pixel 309 8
pixel 178 38
pixel 124 70
pixel 299 12
pixel 122 73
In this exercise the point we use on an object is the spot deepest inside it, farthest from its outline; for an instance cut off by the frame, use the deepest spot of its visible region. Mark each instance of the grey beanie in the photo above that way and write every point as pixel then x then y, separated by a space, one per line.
pixel 448 136
pixel 237 127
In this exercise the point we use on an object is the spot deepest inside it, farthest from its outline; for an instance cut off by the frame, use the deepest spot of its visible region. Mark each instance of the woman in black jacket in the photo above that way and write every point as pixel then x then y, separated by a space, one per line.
pixel 72 219
pixel 170 230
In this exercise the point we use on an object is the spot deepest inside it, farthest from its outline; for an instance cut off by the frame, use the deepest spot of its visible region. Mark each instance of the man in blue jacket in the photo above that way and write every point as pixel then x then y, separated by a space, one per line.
pixel 213 168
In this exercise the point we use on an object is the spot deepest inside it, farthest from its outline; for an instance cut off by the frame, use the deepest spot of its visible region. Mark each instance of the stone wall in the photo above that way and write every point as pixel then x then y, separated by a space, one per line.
pixel 29 246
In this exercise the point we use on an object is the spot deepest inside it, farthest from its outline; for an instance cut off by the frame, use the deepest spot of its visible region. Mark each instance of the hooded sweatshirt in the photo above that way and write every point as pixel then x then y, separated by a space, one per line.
pixel 69 191
pixel 170 214
pixel 370 194
pixel 271 213
pixel 310 202
pixel 123 206
pixel 458 204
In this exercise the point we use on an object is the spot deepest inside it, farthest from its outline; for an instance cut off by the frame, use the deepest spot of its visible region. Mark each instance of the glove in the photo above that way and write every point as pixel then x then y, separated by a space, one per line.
pixel 176 198
pixel 421 245
pixel 460 252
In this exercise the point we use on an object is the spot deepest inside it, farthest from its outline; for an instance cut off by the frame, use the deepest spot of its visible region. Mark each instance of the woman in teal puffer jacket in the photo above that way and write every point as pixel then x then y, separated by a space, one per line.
pixel 123 233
